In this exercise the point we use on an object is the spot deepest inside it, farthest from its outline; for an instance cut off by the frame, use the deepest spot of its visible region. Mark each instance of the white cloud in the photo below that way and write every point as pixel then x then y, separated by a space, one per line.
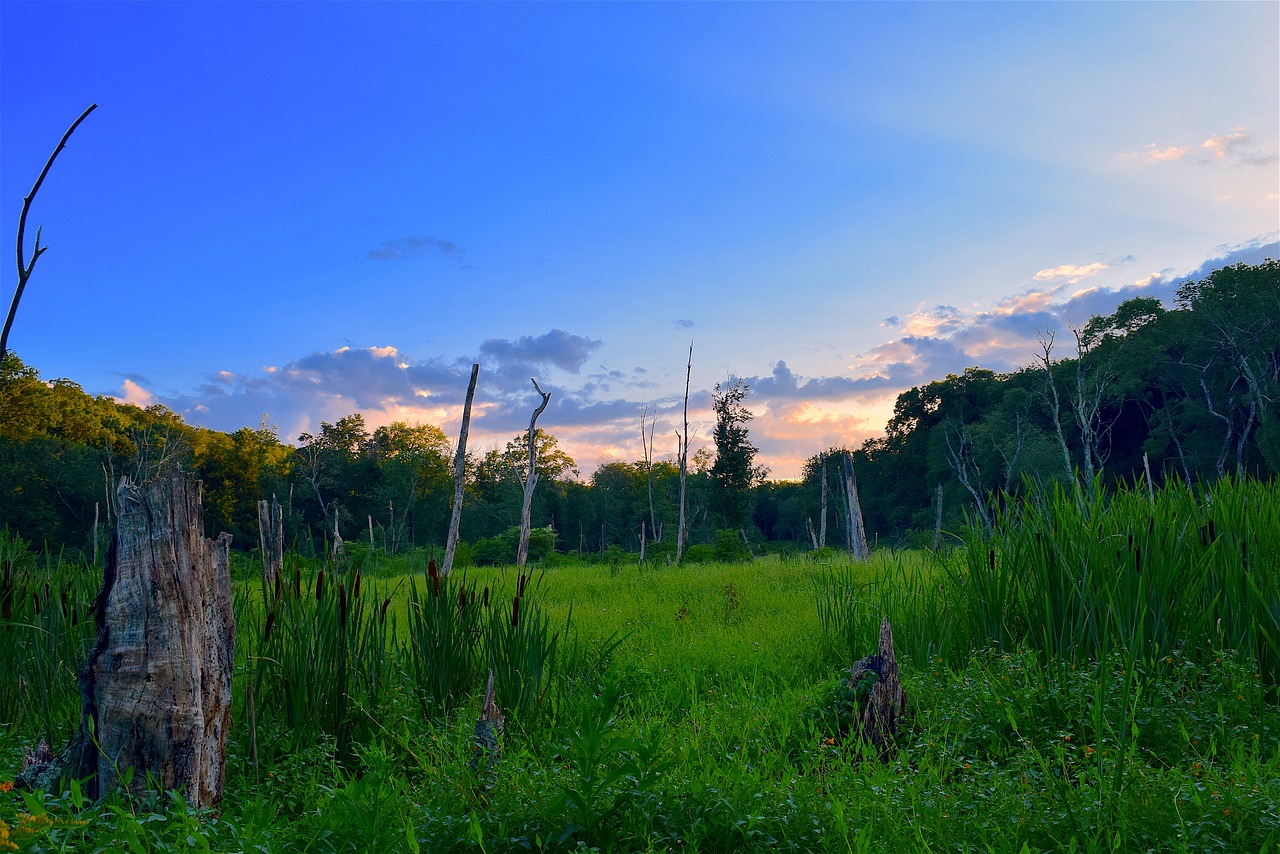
pixel 1071 273
pixel 1155 154
pixel 135 394
pixel 1221 147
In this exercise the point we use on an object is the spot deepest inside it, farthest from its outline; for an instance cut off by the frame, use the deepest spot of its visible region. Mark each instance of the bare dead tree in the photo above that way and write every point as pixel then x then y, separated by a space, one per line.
pixel 646 445
pixel 1051 398
pixel 530 478
pixel 857 531
pixel 824 494
pixel 459 473
pixel 1092 381
pixel 682 530
pixel 965 465
pixel 24 268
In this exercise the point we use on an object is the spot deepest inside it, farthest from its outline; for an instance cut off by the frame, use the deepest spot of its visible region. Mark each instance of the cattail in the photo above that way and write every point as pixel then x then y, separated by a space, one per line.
pixel 1213 532
pixel 319 585
pixel 342 603
pixel 462 599
pixel 486 597
pixel 434 574
pixel 520 584
pixel 35 598
pixel 271 621
pixel 515 611
pixel 355 590
pixel 385 603
pixel 991 559
pixel 279 586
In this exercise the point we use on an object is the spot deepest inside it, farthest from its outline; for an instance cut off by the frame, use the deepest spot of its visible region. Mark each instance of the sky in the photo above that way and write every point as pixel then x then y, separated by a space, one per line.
pixel 284 213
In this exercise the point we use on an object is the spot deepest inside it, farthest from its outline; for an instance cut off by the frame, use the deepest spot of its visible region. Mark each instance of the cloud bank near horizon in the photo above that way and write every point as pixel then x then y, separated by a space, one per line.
pixel 595 409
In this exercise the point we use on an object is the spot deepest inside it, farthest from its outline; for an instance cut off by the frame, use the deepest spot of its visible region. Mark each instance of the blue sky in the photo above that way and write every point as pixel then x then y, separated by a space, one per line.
pixel 300 210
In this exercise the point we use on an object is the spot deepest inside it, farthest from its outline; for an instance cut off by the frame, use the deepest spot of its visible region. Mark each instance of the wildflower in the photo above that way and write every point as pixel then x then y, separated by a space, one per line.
pixel 6 786
pixel 1066 737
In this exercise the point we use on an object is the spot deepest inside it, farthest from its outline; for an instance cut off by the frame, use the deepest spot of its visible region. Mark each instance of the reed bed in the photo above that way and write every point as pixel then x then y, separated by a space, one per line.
pixel 1096 673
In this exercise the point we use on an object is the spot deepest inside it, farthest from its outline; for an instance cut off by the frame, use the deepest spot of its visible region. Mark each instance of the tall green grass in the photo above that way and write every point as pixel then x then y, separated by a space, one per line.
pixel 46 630
pixel 1186 569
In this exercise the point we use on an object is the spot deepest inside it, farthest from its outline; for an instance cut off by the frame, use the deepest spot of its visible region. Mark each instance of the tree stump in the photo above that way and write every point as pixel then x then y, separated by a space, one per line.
pixel 877 717
pixel 156 690
pixel 487 746
pixel 271 540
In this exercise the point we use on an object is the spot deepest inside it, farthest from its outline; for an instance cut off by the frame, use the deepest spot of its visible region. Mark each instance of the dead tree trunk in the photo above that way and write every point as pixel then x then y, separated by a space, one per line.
pixel 156 690
pixel 825 491
pixel 271 540
pixel 646 446
pixel 682 529
pixel 530 480
pixel 857 529
pixel 459 472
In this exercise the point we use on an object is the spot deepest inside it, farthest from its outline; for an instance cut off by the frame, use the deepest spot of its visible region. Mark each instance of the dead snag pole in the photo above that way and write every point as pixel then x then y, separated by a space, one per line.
pixel 530 478
pixel 459 472
pixel 682 529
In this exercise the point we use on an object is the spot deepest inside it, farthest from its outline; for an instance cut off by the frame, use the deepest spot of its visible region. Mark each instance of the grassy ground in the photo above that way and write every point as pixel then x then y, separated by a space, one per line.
pixel 695 709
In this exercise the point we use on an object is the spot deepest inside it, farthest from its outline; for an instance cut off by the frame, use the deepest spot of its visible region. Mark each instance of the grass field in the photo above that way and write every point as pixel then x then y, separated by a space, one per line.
pixel 1096 675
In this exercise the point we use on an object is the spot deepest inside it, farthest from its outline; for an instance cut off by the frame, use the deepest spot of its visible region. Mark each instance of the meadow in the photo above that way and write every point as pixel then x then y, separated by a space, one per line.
pixel 1097 673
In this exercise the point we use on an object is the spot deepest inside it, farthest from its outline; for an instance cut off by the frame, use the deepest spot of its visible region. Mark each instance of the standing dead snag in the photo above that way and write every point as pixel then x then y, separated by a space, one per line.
pixel 459 473
pixel 530 478
pixel 155 693
pixel 857 530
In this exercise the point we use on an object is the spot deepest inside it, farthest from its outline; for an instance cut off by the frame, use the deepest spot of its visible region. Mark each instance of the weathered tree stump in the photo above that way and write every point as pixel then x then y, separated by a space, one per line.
pixel 879 714
pixel 156 690
pixel 271 540
pixel 489 726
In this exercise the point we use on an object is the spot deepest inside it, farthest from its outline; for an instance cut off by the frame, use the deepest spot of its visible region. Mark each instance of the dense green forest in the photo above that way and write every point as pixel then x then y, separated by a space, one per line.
pixel 1187 392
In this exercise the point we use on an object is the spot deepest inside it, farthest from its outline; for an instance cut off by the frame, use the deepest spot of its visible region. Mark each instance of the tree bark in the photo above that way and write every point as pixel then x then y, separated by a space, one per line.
pixel 459 472
pixel 156 690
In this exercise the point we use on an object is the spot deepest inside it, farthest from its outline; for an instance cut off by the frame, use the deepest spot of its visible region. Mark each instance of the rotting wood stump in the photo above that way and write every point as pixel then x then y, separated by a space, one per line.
pixel 156 691
pixel 878 715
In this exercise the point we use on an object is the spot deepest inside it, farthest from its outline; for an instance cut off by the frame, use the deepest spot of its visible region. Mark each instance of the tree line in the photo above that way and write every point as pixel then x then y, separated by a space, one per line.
pixel 1188 392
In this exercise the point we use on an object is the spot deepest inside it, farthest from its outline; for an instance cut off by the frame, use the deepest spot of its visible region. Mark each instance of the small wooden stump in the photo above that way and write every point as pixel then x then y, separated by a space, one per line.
pixel 487 741
pixel 877 717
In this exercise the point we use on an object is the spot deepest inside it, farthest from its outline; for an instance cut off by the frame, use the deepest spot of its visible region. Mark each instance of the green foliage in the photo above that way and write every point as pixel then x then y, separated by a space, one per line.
pixel 734 473
pixel 501 550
